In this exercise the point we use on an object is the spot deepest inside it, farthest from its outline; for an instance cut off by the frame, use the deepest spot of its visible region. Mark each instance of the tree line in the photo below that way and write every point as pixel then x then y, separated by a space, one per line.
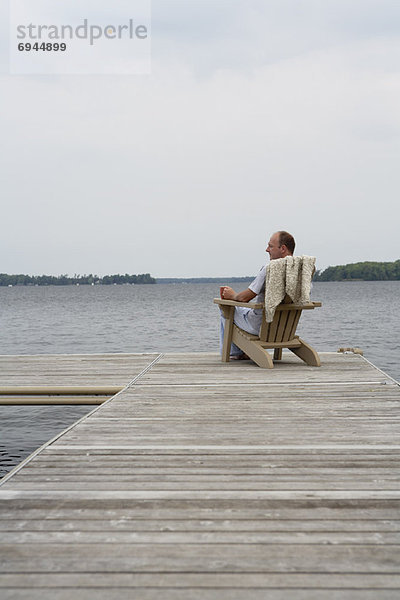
pixel 365 271
pixel 10 280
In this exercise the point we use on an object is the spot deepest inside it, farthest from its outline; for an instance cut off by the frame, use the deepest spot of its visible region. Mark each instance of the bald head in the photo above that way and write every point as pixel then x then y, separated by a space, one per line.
pixel 281 244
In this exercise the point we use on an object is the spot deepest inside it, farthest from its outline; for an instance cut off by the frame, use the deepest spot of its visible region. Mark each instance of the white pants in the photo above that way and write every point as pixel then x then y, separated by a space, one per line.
pixel 241 319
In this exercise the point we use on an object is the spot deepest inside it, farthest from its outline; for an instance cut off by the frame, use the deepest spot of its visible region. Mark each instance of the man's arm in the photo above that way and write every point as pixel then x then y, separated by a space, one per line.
pixel 229 294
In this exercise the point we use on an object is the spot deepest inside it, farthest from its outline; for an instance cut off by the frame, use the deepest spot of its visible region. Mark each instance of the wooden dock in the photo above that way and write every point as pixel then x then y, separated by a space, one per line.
pixel 204 480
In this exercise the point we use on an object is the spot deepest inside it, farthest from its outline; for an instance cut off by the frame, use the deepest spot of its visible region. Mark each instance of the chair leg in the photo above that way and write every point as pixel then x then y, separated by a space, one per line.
pixel 307 353
pixel 228 331
pixel 277 353
pixel 253 349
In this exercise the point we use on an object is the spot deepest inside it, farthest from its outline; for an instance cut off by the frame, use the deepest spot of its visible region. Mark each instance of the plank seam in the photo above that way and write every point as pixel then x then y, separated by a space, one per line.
pixel 221 448
pixel 5 357
pixel 265 383
pixel 203 495
pixel 145 370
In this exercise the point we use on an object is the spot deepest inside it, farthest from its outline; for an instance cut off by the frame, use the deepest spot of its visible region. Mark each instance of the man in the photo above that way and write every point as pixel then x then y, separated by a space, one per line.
pixel 281 244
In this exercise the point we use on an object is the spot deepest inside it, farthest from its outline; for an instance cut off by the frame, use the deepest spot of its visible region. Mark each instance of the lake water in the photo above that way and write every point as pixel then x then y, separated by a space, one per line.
pixel 162 318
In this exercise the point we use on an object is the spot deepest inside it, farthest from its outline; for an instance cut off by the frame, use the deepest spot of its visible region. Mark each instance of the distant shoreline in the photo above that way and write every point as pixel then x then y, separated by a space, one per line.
pixel 161 281
pixel 362 271
pixel 191 280
pixel 46 280
pixel 92 280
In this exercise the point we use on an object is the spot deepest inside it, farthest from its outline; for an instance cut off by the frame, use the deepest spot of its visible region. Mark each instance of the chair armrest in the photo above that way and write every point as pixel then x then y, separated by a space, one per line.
pixel 307 306
pixel 234 303
pixel 261 305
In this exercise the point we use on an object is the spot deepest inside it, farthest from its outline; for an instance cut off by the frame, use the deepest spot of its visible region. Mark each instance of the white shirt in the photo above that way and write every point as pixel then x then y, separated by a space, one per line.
pixel 254 315
pixel 258 285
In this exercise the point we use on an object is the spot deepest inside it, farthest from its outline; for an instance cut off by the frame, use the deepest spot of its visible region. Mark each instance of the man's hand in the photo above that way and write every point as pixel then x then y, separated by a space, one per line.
pixel 227 293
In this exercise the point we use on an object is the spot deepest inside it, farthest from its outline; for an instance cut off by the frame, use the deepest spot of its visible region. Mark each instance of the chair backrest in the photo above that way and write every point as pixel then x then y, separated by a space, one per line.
pixel 284 324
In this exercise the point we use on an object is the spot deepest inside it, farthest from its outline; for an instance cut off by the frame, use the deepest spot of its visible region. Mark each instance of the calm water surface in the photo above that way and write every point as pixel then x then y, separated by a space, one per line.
pixel 162 318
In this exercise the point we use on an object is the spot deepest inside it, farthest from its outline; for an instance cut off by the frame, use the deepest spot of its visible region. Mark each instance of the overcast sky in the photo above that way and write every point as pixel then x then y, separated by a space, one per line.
pixel 258 115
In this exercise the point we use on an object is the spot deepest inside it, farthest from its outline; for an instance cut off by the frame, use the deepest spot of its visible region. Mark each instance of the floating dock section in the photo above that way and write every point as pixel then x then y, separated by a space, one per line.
pixel 202 480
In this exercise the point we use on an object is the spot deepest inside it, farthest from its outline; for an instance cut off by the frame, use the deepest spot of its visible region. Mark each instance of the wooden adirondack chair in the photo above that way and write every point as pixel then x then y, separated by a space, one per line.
pixel 278 334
